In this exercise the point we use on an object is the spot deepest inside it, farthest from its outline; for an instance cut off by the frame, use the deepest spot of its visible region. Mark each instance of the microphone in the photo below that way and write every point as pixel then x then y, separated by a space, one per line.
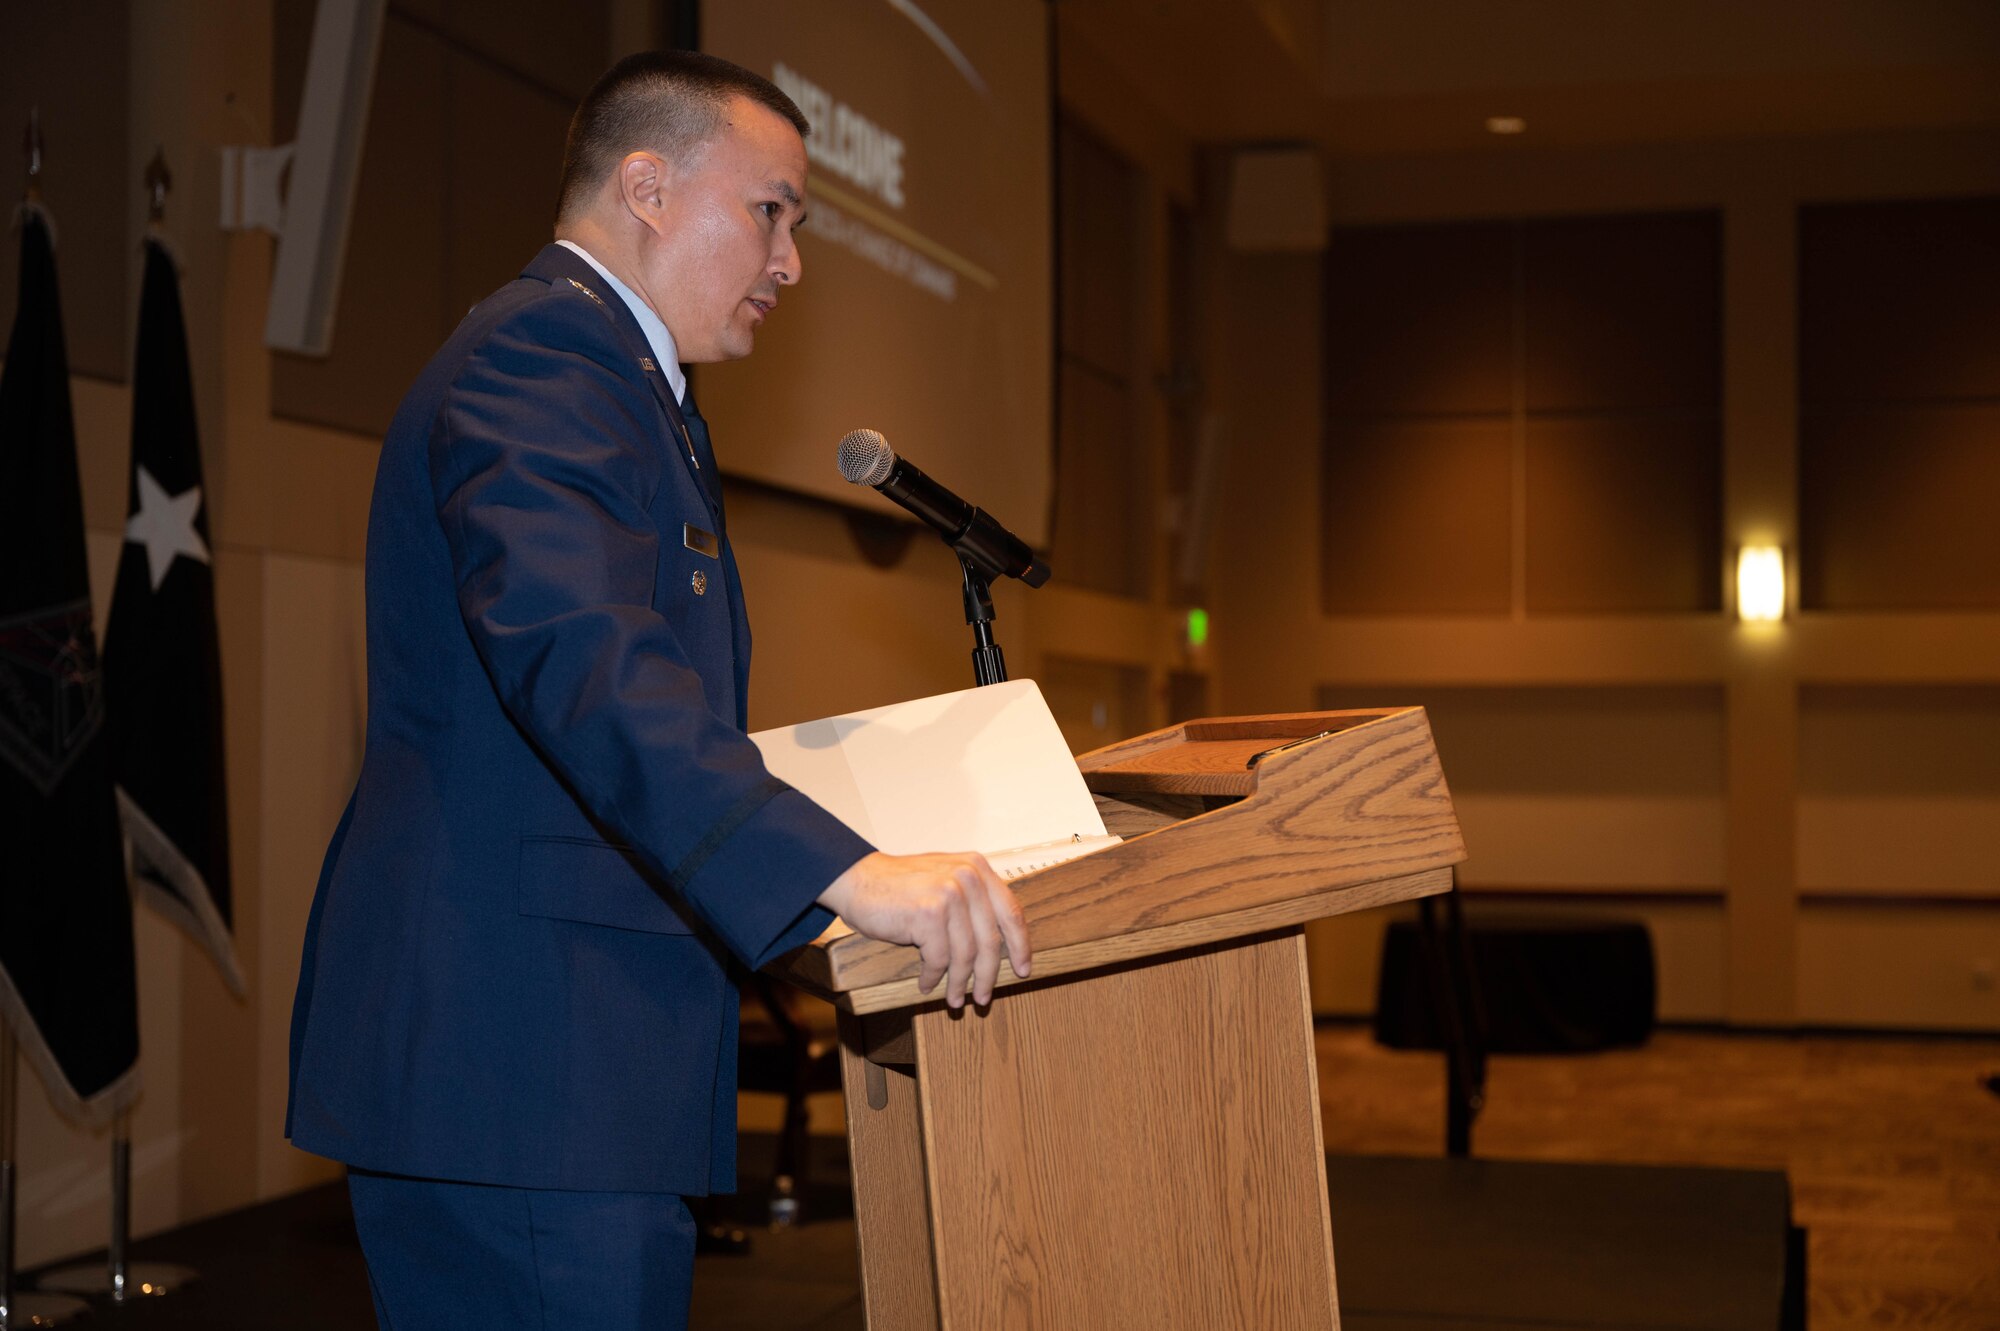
pixel 867 459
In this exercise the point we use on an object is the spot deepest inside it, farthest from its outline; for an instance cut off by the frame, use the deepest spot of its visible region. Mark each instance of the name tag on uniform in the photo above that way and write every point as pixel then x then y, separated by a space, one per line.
pixel 699 541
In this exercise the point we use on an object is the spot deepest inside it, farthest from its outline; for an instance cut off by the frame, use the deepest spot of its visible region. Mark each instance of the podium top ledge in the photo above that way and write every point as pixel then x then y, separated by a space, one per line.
pixel 1218 755
pixel 1242 824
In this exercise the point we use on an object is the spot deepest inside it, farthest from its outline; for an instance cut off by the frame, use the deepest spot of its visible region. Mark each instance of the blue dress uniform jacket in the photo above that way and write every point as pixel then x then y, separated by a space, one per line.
pixel 514 969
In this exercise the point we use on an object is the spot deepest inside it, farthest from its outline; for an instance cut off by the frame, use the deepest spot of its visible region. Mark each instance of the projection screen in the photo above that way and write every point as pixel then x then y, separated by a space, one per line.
pixel 925 307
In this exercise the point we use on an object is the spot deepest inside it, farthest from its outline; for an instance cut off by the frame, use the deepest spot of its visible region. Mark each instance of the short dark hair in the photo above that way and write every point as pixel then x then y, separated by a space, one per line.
pixel 668 102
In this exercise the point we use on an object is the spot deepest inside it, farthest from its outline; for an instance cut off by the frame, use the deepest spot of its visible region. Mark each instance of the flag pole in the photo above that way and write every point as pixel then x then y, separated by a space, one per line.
pixel 118 1279
pixel 18 1310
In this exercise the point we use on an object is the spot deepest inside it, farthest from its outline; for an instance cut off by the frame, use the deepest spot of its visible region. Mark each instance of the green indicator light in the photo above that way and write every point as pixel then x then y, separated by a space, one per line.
pixel 1197 627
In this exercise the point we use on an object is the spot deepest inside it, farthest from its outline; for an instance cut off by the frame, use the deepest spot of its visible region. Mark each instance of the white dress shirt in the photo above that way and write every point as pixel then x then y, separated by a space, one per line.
pixel 649 322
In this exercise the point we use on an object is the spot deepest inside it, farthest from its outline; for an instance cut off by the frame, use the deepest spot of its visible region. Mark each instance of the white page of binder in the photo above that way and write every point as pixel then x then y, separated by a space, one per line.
pixel 984 769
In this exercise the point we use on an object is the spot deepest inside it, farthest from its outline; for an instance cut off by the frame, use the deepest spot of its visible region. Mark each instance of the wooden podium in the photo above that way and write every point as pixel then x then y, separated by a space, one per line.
pixel 1131 1138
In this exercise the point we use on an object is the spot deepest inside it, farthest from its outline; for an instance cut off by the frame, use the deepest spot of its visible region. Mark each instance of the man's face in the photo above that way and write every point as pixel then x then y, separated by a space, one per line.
pixel 724 233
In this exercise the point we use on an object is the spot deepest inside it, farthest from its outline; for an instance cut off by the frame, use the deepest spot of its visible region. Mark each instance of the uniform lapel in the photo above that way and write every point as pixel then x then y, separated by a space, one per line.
pixel 688 434
pixel 558 264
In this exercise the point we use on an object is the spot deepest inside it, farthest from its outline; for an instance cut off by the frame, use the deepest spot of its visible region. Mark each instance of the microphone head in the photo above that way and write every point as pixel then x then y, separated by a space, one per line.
pixel 865 457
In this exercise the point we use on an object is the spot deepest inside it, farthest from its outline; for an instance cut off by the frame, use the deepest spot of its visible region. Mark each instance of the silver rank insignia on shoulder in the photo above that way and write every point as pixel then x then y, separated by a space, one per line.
pixel 699 582
pixel 585 290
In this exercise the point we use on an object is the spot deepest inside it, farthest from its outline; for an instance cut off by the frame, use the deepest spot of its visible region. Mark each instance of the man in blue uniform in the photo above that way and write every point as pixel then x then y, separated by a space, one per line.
pixel 513 1020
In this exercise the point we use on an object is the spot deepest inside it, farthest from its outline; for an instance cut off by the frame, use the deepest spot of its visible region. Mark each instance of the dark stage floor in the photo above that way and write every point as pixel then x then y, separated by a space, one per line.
pixel 1419 1244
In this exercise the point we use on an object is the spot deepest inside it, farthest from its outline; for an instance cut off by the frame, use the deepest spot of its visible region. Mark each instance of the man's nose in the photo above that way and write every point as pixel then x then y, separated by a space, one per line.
pixel 787 265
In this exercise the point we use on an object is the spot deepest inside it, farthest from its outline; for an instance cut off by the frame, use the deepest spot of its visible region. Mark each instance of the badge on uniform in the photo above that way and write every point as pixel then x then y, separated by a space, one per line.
pixel 699 541
pixel 700 582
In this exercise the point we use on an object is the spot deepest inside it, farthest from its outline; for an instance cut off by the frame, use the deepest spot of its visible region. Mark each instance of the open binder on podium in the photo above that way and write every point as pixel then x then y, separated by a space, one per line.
pixel 1131 1137
pixel 983 769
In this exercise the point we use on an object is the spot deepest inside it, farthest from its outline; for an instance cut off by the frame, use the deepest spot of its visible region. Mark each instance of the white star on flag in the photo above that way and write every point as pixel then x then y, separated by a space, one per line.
pixel 164 524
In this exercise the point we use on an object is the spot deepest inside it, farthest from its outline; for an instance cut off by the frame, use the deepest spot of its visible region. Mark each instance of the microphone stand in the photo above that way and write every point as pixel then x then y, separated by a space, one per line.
pixel 988 665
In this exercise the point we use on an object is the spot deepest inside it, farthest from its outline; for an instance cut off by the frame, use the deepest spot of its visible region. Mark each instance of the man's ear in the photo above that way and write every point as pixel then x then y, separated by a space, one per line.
pixel 642 186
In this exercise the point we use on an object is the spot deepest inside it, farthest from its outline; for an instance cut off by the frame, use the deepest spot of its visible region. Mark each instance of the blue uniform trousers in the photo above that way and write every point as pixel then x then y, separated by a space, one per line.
pixel 443 1256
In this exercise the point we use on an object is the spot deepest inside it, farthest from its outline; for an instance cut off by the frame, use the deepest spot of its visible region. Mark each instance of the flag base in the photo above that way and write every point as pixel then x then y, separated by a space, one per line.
pixel 140 1280
pixel 40 1310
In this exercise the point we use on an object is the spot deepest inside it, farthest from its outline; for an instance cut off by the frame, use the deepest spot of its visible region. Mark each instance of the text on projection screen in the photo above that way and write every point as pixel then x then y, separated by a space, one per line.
pixel 925 306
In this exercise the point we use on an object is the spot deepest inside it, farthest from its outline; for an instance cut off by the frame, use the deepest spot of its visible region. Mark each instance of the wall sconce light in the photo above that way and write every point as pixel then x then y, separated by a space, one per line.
pixel 1760 584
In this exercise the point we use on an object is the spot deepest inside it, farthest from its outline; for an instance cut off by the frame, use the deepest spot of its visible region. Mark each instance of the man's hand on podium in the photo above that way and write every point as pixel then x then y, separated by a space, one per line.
pixel 953 909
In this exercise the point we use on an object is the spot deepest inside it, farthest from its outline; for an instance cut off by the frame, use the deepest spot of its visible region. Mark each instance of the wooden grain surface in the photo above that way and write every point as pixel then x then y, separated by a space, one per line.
pixel 1217 756
pixel 898 1276
pixel 1113 1152
pixel 1099 952
pixel 1367 803
pixel 1271 728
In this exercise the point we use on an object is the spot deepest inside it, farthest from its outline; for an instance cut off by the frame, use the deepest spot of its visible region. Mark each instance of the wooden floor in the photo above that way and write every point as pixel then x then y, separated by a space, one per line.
pixel 1892 1145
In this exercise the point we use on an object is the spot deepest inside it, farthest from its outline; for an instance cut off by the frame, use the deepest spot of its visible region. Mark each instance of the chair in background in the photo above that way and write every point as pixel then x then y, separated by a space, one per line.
pixel 785 1053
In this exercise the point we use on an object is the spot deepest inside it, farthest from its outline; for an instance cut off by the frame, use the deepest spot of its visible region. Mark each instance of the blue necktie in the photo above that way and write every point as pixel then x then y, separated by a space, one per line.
pixel 704 452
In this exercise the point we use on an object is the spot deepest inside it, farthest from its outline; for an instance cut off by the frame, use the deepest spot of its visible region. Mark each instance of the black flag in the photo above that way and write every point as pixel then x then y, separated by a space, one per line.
pixel 67 982
pixel 162 670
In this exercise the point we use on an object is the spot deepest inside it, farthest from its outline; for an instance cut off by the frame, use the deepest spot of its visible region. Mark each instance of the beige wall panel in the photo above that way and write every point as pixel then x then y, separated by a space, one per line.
pixel 1344 953
pixel 1892 648
pixel 1267 357
pixel 102 415
pixel 1899 740
pixel 1899 790
pixel 220 1030
pixel 1624 514
pixel 1102 537
pixel 391 311
pixel 71 61
pixel 1419 320
pixel 834 632
pixel 1643 740
pixel 1896 300
pixel 101 550
pixel 835 637
pixel 1896 507
pixel 1188 695
pixel 1095 702
pixel 237 461
pixel 1416 518
pixel 313 727
pixel 320 485
pixel 1097 193
pixel 1440 652
pixel 1623 312
pixel 634 25
pixel 1931 845
pixel 1536 182
pixel 1760 425
pixel 504 147
pixel 1930 967
pixel 1591 842
pixel 1080 623
pixel 1392 52
pixel 561 46
pixel 1099 97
